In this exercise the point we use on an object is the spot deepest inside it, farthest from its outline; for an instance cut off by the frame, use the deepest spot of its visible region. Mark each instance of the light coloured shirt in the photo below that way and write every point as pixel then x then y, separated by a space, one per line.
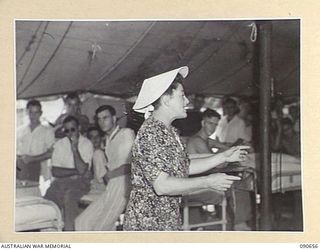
pixel 36 142
pixel 231 131
pixel 62 155
pixel 99 162
pixel 118 147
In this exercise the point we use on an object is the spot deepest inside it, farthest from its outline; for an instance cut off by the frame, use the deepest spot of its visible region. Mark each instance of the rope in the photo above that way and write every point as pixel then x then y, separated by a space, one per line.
pixel 34 54
pixel 253 35
pixel 50 59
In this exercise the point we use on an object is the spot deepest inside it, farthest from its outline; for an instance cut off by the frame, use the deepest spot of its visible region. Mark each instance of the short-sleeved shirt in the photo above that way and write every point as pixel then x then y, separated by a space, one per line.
pixel 35 142
pixel 62 155
pixel 231 131
pixel 156 149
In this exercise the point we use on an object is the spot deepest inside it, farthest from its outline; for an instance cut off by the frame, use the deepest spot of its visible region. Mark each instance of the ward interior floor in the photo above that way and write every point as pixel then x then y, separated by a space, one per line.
pixel 286 214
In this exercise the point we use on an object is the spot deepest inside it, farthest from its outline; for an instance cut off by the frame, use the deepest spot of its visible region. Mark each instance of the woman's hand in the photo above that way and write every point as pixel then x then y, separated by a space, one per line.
pixel 220 181
pixel 237 153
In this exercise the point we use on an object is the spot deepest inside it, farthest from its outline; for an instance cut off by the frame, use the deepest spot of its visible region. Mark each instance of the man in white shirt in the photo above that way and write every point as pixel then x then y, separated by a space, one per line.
pixel 102 214
pixel 231 128
pixel 71 161
pixel 34 146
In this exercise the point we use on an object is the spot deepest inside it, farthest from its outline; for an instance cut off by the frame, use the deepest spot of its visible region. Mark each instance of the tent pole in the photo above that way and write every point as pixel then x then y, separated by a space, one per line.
pixel 265 30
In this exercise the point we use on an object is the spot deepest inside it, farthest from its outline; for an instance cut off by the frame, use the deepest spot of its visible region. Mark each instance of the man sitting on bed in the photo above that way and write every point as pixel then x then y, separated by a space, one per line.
pixel 34 146
pixel 201 143
pixel 71 160
pixel 102 214
pixel 286 139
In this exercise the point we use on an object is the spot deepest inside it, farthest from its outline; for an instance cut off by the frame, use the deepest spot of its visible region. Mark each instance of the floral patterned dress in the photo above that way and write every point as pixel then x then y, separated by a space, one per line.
pixel 156 149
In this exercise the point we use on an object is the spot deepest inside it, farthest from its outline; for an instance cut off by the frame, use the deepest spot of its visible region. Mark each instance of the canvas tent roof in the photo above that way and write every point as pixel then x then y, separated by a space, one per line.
pixel 113 57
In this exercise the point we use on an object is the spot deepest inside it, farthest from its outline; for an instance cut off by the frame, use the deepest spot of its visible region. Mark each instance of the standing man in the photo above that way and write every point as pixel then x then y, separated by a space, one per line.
pixel 231 128
pixel 103 213
pixel 34 146
pixel 73 107
pixel 71 160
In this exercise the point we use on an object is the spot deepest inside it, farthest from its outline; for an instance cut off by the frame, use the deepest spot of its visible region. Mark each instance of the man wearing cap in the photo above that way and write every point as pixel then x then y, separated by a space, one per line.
pixel 160 163
pixel 103 213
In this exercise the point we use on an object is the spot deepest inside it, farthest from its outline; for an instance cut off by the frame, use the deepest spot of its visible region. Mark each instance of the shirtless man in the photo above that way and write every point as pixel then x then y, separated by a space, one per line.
pixel 200 143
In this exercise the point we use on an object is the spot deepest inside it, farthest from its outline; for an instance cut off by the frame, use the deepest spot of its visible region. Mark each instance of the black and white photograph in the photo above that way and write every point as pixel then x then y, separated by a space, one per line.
pixel 158 125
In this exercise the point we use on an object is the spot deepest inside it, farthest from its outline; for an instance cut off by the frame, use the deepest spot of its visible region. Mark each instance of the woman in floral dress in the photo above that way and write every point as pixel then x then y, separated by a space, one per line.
pixel 160 163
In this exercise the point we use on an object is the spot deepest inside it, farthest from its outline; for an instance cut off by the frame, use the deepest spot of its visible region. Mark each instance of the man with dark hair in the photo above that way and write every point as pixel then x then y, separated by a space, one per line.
pixel 200 143
pixel 71 160
pixel 102 214
pixel 34 146
pixel 73 107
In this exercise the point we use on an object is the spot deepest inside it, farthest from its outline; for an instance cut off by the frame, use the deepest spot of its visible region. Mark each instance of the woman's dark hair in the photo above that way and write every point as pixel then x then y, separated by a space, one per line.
pixel 173 86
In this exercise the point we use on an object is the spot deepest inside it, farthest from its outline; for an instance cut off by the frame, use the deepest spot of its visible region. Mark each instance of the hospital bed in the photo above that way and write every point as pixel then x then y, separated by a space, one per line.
pixel 285 171
pixel 32 212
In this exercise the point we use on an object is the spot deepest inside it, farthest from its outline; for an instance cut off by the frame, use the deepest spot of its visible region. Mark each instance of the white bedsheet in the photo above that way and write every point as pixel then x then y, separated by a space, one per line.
pixel 286 171
pixel 33 212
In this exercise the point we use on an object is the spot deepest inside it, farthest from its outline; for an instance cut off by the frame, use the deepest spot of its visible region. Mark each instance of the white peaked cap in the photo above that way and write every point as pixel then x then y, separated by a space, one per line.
pixel 153 87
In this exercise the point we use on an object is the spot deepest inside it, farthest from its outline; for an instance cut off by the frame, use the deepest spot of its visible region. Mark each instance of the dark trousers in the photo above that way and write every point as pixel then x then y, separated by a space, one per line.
pixel 66 193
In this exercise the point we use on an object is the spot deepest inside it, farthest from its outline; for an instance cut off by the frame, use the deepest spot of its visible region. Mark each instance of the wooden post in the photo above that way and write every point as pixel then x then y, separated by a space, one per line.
pixel 265 30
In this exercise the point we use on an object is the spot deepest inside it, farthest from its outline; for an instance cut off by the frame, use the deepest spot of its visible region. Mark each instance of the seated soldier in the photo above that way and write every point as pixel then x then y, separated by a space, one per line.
pixel 286 140
pixel 201 143
pixel 103 213
pixel 71 160
pixel 34 146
